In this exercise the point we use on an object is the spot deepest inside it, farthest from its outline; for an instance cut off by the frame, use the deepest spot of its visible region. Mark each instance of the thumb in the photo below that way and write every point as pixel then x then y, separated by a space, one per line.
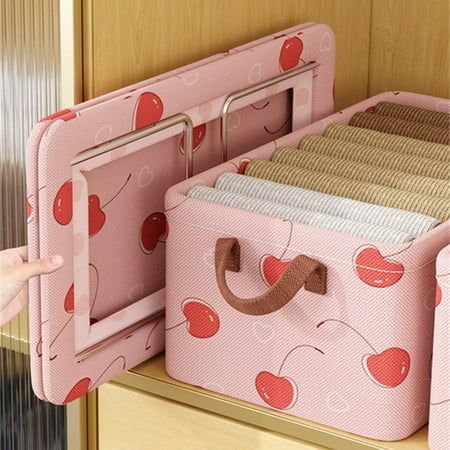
pixel 38 267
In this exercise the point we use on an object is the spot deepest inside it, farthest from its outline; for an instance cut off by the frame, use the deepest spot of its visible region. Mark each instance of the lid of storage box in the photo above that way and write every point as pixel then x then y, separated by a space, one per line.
pixel 97 175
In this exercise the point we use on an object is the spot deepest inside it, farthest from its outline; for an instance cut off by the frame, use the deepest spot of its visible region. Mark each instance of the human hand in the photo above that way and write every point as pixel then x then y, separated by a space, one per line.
pixel 15 272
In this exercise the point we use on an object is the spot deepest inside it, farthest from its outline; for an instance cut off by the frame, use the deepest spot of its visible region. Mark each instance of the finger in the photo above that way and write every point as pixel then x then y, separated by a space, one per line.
pixel 38 267
pixel 23 252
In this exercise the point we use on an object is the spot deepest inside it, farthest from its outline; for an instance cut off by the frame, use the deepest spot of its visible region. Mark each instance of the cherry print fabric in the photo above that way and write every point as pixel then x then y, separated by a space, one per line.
pixel 439 428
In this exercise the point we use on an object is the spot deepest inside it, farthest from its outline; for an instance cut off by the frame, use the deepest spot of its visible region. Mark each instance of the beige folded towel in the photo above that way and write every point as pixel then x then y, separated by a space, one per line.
pixel 400 144
pixel 401 127
pixel 358 190
pixel 362 172
pixel 413 114
pixel 387 159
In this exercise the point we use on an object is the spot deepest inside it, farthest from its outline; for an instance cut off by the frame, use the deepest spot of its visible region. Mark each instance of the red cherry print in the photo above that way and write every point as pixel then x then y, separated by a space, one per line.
pixel 290 53
pixel 278 392
pixel 153 229
pixel 198 136
pixel 62 205
pixel 83 386
pixel 69 306
pixel 370 109
pixel 147 342
pixel 243 166
pixel 438 297
pixel 202 320
pixel 149 110
pixel 29 210
pixel 376 270
pixel 272 268
pixel 65 114
pixel 96 216
pixel 388 368
pixel 69 300
pixel 80 389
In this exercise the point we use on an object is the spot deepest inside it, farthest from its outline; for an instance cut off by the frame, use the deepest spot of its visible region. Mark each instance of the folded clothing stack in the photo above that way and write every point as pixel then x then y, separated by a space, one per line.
pixel 380 182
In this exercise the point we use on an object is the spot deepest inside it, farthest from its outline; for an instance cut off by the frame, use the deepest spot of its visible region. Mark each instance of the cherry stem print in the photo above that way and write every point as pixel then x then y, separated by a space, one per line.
pixel 118 192
pixel 440 403
pixel 109 366
pixel 387 369
pixel 83 386
pixel 440 275
pixel 72 311
pixel 266 128
pixel 291 230
pixel 262 107
pixel 351 328
pixel 202 321
pixel 271 267
pixel 279 391
pixel 295 349
pixel 147 346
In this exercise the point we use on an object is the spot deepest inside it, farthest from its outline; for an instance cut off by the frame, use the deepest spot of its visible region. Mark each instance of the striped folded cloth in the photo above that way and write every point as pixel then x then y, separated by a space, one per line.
pixel 360 171
pixel 387 159
pixel 406 221
pixel 436 207
pixel 281 211
pixel 400 144
pixel 413 114
pixel 401 127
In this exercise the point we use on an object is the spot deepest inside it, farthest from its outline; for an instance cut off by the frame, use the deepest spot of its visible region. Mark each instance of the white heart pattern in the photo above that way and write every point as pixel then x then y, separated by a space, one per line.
pixel 262 332
pixel 254 75
pixel 326 42
pixel 145 176
pixel 337 403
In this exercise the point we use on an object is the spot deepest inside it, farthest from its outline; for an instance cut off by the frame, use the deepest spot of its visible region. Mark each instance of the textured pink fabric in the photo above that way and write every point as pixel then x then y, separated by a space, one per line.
pixel 357 358
pixel 124 239
pixel 439 430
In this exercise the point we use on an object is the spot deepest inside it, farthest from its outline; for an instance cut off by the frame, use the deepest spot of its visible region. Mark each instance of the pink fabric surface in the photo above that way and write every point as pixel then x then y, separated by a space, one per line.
pixel 123 195
pixel 357 358
pixel 439 430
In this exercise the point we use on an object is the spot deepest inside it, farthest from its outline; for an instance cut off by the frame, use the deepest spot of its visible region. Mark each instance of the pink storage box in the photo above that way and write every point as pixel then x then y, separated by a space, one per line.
pixel 96 179
pixel 439 431
pixel 356 358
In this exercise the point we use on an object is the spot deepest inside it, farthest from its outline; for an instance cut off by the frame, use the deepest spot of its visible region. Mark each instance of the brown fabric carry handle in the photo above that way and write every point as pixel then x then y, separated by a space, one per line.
pixel 302 271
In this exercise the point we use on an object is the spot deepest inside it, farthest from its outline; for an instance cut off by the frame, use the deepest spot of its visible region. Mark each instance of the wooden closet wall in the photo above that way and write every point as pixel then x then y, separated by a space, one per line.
pixel 381 44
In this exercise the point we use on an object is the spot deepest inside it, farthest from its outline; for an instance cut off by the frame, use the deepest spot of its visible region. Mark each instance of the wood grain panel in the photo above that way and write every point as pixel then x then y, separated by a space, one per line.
pixel 130 40
pixel 130 420
pixel 409 48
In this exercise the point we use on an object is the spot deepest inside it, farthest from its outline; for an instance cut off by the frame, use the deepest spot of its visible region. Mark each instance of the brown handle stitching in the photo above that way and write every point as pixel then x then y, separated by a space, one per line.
pixel 302 271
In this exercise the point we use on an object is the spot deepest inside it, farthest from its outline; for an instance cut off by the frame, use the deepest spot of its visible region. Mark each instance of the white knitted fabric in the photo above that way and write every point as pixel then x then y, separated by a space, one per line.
pixel 313 218
pixel 406 221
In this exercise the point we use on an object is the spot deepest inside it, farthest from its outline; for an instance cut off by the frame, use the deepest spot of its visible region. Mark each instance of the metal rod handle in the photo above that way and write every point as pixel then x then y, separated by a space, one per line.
pixel 142 133
pixel 251 90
